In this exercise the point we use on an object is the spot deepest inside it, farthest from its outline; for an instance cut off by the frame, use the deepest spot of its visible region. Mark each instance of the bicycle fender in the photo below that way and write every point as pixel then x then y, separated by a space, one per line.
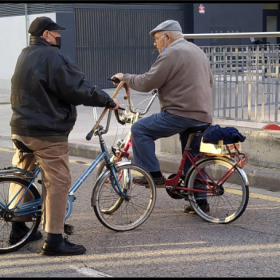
pixel 229 160
pixel 104 174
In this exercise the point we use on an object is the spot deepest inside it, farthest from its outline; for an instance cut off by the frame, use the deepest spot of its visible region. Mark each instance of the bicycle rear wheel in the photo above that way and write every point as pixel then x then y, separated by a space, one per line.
pixel 8 188
pixel 229 199
pixel 131 211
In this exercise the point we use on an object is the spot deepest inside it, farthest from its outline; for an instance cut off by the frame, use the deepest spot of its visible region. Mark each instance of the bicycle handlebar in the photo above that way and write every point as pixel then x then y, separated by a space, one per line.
pixel 120 85
pixel 154 93
pixel 131 110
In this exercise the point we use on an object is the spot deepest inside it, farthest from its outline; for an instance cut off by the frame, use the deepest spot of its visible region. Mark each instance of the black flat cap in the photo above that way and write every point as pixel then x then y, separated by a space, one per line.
pixel 40 24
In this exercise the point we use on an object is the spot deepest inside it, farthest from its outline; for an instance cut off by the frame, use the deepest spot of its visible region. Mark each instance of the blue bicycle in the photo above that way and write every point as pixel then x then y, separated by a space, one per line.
pixel 118 203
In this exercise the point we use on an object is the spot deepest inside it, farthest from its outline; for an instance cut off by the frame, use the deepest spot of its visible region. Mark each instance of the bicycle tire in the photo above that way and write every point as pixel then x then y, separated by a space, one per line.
pixel 134 210
pixel 6 224
pixel 115 204
pixel 232 196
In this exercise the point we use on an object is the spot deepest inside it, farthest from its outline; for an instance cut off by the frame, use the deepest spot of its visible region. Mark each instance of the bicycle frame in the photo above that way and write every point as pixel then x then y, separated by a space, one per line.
pixel 193 159
pixel 104 155
pixel 28 207
pixel 24 209
pixel 21 209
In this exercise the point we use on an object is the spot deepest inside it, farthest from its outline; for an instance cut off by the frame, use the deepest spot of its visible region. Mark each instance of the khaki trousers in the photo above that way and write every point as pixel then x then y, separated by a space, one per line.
pixel 53 158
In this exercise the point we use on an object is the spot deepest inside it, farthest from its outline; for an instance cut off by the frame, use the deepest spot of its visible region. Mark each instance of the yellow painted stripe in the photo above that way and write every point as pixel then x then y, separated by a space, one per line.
pixel 7 150
pixel 254 195
pixel 79 162
pixel 265 197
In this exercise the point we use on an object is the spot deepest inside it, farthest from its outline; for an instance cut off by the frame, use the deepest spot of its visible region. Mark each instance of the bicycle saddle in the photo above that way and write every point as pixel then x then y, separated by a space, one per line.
pixel 198 128
pixel 21 146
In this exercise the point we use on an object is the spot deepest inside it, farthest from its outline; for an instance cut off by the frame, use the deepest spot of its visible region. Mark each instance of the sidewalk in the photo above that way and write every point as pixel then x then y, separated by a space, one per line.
pixel 267 178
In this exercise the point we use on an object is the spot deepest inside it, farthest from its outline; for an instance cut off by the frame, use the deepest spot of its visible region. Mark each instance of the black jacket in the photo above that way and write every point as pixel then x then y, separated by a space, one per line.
pixel 46 87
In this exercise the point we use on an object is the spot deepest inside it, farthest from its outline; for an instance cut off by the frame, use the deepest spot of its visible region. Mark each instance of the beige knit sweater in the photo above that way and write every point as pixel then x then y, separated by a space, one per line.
pixel 183 78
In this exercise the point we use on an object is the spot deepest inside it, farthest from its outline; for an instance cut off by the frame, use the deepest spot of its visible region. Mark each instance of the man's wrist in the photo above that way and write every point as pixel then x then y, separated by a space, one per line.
pixel 110 103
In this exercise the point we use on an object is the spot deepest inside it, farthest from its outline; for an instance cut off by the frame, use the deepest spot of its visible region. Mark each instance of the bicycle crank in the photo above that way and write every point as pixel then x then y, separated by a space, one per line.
pixel 172 192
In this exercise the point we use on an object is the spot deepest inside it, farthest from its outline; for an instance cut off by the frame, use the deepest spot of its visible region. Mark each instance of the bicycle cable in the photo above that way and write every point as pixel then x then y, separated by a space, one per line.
pixel 141 103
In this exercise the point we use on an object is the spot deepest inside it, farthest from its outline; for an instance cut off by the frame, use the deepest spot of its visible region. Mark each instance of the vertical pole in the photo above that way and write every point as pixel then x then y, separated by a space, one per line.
pixel 26 25
pixel 94 112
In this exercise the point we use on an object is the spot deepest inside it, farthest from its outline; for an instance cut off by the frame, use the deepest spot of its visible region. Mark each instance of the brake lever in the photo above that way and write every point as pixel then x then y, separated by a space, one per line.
pixel 117 116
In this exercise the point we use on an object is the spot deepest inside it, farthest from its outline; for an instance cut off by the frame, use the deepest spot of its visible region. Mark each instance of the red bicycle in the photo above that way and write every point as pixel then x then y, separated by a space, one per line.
pixel 219 178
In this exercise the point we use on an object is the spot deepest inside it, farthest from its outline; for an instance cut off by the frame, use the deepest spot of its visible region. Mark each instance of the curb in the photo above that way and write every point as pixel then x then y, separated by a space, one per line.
pixel 258 177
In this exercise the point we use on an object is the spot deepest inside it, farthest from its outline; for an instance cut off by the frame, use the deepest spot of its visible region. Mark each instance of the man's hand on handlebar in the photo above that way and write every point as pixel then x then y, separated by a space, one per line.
pixel 116 78
pixel 117 105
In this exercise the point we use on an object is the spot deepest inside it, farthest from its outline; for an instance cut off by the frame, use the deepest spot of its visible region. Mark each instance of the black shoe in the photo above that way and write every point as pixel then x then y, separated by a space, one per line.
pixel 140 180
pixel 65 248
pixel 16 236
pixel 203 205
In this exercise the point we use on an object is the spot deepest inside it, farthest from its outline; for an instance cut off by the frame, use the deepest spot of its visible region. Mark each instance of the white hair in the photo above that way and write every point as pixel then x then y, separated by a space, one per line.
pixel 174 34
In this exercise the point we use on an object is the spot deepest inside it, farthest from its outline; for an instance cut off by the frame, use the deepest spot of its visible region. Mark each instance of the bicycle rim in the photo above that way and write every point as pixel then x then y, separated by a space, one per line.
pixel 230 198
pixel 32 221
pixel 131 211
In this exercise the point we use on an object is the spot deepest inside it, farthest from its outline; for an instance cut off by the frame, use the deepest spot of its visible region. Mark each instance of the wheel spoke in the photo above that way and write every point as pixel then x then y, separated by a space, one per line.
pixel 125 213
pixel 230 198
pixel 9 188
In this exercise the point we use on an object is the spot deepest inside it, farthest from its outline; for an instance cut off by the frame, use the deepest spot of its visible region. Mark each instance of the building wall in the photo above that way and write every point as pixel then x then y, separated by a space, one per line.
pixel 104 39
pixel 227 17
pixel 115 38
pixel 13 41
pixel 68 47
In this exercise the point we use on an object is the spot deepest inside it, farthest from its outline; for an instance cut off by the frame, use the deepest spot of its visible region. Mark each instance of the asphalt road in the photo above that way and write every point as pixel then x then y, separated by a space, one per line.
pixel 169 244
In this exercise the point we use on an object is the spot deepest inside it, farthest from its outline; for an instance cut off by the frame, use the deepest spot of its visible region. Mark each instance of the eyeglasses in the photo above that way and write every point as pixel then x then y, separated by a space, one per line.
pixel 156 38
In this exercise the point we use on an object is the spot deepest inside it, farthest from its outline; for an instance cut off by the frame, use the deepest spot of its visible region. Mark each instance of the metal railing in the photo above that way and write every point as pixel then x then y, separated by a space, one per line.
pixel 246 78
pixel 246 82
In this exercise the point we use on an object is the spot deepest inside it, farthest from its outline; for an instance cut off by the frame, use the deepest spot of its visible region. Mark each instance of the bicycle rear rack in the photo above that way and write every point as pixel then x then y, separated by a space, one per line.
pixel 14 172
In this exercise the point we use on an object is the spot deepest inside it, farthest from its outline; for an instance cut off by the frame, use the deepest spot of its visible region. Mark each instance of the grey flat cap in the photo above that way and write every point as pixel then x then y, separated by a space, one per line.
pixel 168 25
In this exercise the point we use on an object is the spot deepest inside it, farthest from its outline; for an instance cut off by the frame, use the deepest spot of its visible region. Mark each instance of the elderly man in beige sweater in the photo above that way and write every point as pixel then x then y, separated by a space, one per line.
pixel 182 75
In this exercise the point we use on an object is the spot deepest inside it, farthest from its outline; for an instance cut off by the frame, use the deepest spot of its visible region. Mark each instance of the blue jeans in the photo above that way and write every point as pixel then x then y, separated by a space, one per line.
pixel 145 131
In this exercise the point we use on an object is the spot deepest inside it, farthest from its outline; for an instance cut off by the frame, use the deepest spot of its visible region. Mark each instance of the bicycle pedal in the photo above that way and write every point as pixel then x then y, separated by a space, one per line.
pixel 68 229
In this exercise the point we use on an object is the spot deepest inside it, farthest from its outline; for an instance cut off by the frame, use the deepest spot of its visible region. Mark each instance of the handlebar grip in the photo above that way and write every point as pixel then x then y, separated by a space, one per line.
pixel 89 135
pixel 115 80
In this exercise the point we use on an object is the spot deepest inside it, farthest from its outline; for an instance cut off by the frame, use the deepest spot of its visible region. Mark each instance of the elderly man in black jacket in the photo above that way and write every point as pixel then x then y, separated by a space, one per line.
pixel 46 88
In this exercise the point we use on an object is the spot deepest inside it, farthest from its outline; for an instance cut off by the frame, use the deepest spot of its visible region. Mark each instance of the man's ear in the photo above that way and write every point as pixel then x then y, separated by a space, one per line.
pixel 167 36
pixel 45 35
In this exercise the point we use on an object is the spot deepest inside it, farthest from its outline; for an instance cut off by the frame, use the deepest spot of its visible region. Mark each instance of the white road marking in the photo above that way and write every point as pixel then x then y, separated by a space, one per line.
pixel 89 272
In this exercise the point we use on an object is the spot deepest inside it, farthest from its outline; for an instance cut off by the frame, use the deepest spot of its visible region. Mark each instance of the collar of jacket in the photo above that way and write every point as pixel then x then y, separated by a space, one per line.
pixel 34 40
pixel 180 40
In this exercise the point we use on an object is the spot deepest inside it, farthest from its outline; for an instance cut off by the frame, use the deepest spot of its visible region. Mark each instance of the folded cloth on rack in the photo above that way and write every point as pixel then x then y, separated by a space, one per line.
pixel 228 134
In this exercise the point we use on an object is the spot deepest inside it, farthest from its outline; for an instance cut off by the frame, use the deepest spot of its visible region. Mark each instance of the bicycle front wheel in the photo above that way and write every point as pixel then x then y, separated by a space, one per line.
pixel 133 209
pixel 228 200
pixel 9 188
